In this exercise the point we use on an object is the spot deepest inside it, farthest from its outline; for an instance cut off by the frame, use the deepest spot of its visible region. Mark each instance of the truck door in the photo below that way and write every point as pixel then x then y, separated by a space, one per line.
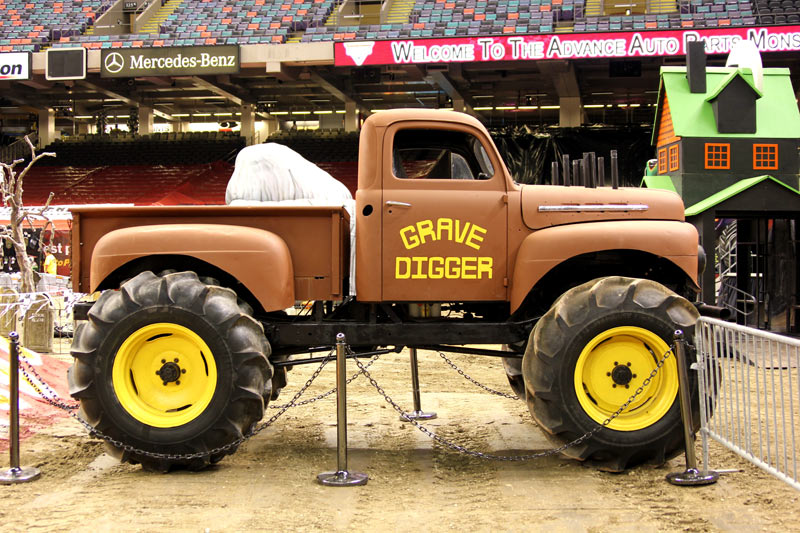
pixel 444 215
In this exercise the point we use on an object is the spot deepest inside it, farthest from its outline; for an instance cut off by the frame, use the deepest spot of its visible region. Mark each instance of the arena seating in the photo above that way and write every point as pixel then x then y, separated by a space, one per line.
pixel 692 14
pixel 157 148
pixel 27 25
pixel 320 145
pixel 188 168
pixel 778 11
pixel 450 18
pixel 166 184
pixel 199 22
pixel 209 22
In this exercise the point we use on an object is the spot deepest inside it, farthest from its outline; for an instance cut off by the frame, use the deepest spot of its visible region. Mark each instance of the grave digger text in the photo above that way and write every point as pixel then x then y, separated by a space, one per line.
pixel 439 267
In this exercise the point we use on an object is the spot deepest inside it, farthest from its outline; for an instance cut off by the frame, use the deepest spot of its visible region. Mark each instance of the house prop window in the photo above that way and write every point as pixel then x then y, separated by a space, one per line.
pixel 765 157
pixel 662 161
pixel 673 158
pixel 718 156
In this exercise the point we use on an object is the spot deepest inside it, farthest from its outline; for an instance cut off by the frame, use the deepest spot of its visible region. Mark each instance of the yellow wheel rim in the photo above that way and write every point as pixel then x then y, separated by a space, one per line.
pixel 164 375
pixel 610 369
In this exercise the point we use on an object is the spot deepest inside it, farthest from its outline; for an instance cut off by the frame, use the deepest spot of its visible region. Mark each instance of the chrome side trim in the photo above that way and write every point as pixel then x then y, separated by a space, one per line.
pixel 592 208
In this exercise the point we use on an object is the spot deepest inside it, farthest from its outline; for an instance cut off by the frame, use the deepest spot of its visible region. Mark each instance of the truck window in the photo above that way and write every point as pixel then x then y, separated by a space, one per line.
pixel 439 155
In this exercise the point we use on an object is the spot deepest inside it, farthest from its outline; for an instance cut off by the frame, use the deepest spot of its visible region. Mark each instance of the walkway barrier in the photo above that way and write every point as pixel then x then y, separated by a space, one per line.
pixel 16 473
pixel 750 395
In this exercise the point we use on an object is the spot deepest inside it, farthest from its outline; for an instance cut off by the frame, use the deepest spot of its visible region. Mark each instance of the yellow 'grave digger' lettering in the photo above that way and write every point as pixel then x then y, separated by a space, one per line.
pixel 443 268
pixel 443 229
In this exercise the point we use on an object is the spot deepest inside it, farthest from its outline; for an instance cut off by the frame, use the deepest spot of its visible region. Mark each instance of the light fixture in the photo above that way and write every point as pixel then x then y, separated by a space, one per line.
pixel 593 106
pixel 550 107
pixel 504 107
pixel 488 108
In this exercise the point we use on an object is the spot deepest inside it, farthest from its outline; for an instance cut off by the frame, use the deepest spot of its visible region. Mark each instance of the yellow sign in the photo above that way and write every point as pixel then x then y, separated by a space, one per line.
pixel 443 229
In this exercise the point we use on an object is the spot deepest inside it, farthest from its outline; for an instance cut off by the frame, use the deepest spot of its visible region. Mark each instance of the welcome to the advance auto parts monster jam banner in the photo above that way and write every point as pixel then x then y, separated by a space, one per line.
pixel 561 46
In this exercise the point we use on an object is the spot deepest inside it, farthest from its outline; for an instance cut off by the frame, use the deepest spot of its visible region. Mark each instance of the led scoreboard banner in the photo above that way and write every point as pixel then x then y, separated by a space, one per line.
pixel 561 46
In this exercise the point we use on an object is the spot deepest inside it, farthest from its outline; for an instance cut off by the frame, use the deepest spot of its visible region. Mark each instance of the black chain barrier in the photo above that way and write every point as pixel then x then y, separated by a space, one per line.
pixel 527 457
pixel 53 399
pixel 474 382
pixel 333 390
pixel 256 429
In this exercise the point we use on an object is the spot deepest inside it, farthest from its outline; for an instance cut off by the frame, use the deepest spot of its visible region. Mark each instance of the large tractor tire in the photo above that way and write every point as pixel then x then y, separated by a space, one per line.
pixel 172 365
pixel 513 368
pixel 591 351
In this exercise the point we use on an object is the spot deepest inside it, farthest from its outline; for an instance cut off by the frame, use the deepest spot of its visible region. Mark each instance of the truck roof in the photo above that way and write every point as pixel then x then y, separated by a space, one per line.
pixel 385 118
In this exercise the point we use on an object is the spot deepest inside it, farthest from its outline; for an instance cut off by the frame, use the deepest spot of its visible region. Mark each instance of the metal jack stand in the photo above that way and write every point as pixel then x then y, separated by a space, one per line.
pixel 15 474
pixel 417 413
pixel 342 477
pixel 691 476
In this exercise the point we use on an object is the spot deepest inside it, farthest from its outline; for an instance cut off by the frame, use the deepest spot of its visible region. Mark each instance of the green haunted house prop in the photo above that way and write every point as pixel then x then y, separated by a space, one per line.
pixel 716 130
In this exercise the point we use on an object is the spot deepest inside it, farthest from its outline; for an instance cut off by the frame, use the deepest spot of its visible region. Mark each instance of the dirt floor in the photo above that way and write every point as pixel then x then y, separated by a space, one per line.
pixel 414 485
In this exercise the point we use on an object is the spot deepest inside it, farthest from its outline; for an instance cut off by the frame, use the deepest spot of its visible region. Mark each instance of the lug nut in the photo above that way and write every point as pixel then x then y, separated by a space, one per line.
pixel 627 386
pixel 613 385
pixel 183 370
pixel 177 382
pixel 176 360
pixel 629 364
pixel 163 361
pixel 607 373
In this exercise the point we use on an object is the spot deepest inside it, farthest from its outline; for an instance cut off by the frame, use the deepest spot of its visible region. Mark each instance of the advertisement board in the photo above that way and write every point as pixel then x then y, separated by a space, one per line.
pixel 561 46
pixel 15 66
pixel 169 61
pixel 66 64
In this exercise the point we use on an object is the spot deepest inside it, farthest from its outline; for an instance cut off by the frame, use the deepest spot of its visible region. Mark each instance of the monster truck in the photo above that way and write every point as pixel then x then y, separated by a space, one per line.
pixel 190 337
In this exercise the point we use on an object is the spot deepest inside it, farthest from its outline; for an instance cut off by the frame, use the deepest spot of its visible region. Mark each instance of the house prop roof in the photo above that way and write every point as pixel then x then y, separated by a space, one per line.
pixel 693 116
pixel 744 185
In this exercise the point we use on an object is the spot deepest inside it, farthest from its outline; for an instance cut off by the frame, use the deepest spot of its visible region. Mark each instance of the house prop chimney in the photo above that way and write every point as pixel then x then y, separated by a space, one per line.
pixel 696 66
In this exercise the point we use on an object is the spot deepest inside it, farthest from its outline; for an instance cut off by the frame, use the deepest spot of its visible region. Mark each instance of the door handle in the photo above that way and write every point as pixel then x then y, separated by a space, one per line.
pixel 392 203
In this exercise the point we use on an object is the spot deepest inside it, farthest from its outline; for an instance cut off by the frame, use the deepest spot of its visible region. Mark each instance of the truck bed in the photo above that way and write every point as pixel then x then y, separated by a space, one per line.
pixel 317 238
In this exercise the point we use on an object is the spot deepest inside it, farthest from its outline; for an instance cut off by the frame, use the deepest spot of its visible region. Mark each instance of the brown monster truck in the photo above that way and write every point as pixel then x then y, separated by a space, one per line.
pixel 190 339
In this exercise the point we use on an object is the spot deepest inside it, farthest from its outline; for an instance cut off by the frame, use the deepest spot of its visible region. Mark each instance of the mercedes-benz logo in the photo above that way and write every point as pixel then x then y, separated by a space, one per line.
pixel 114 62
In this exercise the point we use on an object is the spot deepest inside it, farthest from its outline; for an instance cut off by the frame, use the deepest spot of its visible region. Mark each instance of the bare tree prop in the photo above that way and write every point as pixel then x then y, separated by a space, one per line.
pixel 11 189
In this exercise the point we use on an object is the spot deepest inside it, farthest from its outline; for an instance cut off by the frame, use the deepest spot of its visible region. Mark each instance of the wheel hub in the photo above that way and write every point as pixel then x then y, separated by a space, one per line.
pixel 622 375
pixel 170 372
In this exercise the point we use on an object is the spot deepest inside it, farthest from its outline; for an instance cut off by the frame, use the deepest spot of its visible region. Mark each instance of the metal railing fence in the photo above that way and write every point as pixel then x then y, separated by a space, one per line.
pixel 750 395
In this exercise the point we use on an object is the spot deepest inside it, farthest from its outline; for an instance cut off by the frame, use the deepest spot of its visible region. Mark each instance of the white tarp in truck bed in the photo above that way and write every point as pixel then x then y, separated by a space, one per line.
pixel 272 173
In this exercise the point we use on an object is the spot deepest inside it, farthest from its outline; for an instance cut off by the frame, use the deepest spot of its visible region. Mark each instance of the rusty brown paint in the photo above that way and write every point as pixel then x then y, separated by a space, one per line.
pixel 305 231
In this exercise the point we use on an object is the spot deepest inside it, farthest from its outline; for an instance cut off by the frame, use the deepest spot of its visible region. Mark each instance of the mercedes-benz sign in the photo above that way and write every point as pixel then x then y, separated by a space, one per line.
pixel 175 61
pixel 113 62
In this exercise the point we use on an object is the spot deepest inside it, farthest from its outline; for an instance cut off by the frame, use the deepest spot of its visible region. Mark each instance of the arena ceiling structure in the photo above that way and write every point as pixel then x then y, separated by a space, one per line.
pixel 612 78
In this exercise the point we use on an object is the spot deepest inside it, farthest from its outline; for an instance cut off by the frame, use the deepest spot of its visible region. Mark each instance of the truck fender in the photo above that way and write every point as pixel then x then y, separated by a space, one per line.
pixel 545 249
pixel 259 259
